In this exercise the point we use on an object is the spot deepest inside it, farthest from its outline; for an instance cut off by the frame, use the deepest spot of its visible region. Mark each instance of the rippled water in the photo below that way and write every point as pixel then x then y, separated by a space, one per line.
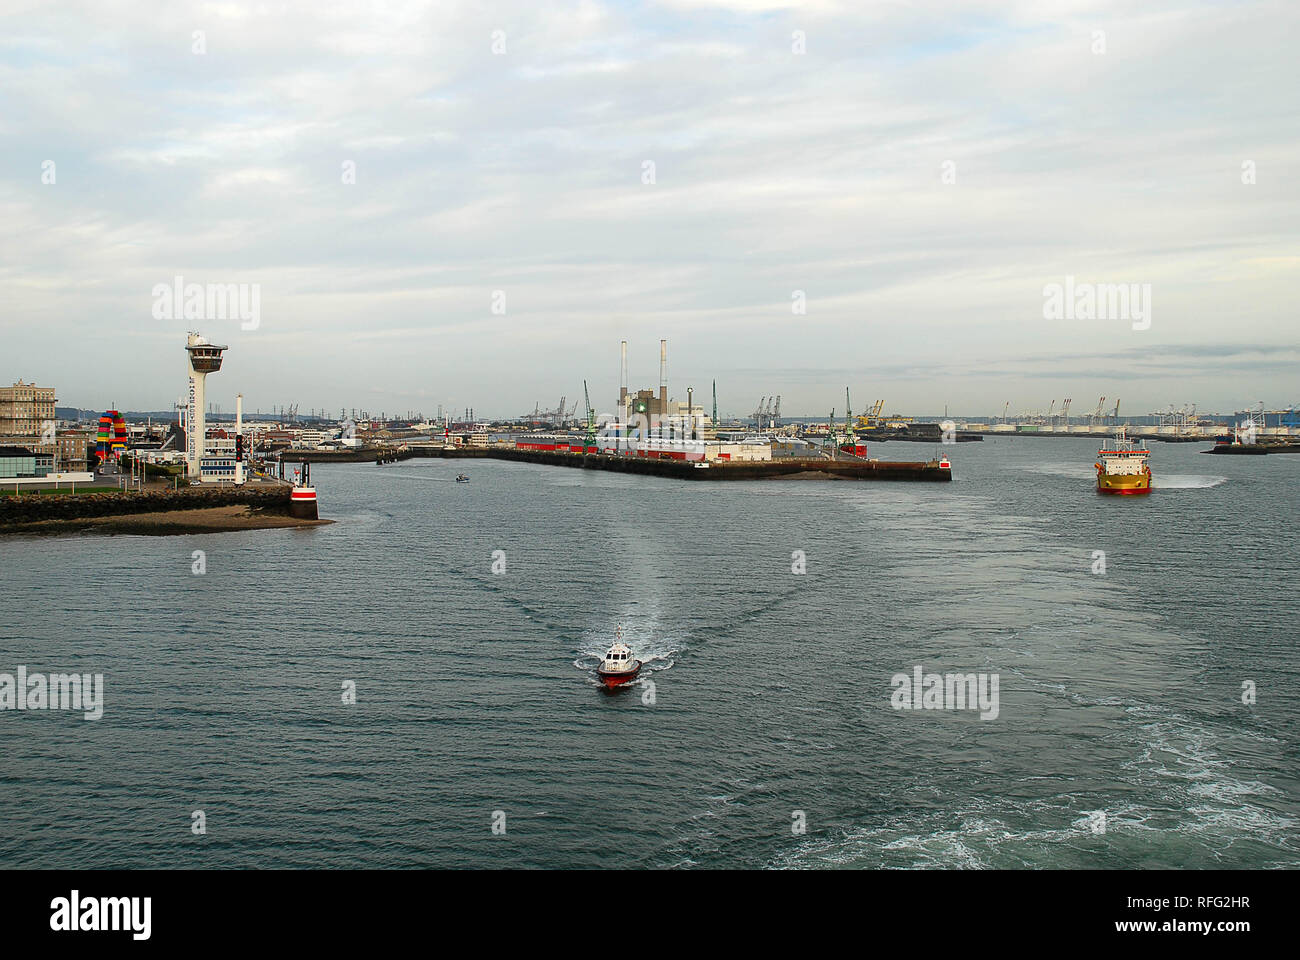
pixel 476 692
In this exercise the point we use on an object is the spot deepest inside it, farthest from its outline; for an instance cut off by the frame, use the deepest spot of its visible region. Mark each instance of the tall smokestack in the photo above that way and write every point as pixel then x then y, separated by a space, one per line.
pixel 622 383
pixel 663 376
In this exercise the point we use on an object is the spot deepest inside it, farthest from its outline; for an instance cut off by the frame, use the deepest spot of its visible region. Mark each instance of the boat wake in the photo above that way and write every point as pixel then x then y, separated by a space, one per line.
pixel 1185 482
pixel 1203 812
pixel 656 653
pixel 1158 482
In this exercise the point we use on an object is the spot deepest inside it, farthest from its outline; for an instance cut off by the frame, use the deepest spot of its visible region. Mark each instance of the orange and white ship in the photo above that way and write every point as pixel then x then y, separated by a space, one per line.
pixel 1123 468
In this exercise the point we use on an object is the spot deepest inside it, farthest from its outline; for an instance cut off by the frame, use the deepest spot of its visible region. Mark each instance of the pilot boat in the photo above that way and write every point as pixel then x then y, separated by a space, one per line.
pixel 618 667
pixel 1123 468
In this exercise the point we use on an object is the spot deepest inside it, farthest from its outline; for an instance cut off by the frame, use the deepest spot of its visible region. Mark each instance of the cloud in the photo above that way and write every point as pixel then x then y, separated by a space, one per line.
pixel 773 172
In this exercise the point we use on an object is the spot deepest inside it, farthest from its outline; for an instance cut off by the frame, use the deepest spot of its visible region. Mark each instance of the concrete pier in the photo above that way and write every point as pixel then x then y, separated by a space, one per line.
pixel 682 470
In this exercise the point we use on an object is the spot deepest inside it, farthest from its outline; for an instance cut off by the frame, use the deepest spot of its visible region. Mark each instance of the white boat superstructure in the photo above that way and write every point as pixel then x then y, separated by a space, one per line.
pixel 1124 456
pixel 617 658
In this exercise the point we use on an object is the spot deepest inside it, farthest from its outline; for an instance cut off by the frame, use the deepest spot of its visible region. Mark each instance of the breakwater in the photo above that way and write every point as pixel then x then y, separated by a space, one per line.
pixel 1258 449
pixel 736 470
pixel 36 508
pixel 683 470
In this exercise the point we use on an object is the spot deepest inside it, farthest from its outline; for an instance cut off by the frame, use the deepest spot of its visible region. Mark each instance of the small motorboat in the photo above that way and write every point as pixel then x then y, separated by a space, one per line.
pixel 461 478
pixel 619 666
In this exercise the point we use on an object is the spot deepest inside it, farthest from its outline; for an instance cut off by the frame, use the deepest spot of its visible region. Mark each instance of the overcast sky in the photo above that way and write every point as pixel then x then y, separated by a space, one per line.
pixel 775 171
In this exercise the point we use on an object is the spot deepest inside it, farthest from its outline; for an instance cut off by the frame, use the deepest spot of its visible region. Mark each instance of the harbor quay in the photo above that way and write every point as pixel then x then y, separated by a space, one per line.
pixel 786 468
pixel 185 510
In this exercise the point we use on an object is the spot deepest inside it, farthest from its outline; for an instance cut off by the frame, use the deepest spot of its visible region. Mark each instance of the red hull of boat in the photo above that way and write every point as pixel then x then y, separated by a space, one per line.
pixel 612 680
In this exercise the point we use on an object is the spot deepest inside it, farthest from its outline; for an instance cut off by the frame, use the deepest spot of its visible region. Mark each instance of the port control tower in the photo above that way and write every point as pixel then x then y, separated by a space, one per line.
pixel 202 358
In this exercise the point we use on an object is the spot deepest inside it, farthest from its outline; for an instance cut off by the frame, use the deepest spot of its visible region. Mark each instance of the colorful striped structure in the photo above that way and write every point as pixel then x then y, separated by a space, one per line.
pixel 110 443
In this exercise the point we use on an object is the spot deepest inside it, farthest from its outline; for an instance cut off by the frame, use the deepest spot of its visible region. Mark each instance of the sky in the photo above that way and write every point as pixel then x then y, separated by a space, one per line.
pixel 471 204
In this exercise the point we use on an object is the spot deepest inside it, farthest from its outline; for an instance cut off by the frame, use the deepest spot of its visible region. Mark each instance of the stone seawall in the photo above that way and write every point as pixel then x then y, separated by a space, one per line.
pixel 35 508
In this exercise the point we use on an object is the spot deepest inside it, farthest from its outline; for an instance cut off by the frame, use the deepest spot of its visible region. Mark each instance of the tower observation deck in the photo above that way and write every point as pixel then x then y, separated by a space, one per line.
pixel 204 358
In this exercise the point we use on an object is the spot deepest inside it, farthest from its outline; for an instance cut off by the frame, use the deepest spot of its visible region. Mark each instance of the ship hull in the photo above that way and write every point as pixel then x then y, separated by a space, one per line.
pixel 1123 484
pixel 612 680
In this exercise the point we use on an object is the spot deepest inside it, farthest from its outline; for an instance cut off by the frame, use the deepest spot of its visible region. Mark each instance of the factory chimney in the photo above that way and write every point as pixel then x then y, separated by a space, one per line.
pixel 622 383
pixel 663 377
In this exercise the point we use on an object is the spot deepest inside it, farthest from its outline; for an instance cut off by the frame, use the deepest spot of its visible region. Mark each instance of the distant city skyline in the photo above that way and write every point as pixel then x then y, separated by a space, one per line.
pixel 471 205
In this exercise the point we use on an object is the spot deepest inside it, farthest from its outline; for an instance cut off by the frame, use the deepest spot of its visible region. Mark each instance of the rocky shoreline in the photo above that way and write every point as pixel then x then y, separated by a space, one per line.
pixel 167 523
pixel 157 513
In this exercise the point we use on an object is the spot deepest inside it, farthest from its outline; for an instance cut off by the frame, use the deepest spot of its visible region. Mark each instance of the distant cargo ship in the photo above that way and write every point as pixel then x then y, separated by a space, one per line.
pixel 1123 468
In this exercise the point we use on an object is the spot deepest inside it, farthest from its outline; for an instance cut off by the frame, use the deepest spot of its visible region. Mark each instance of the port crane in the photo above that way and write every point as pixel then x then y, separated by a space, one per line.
pixel 765 416
pixel 870 419
pixel 559 415
pixel 1097 416
pixel 848 422
pixel 589 440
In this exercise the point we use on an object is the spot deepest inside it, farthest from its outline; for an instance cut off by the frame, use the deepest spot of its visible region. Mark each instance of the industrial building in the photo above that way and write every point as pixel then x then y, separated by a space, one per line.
pixel 661 414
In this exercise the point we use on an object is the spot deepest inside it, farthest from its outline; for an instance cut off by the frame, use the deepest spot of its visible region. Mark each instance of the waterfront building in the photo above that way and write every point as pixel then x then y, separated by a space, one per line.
pixel 72 448
pixel 24 409
pixel 18 462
